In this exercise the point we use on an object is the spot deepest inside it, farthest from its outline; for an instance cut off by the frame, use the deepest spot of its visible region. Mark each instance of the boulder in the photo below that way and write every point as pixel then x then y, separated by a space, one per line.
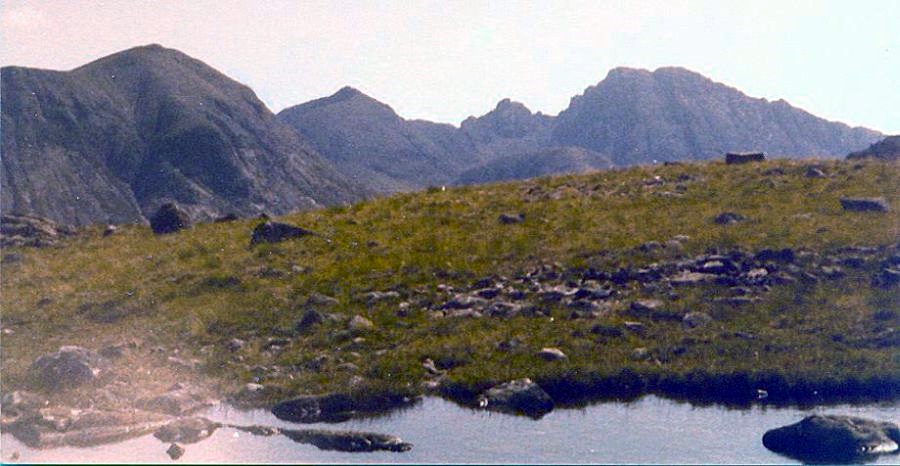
pixel 814 172
pixel 347 441
pixel 69 367
pixel 779 255
pixel 732 158
pixel 509 219
pixel 551 354
pixel 177 402
pixel 186 430
pixel 728 218
pixel 175 451
pixel 235 344
pixel 831 438
pixel 687 278
pixel 275 232
pixel 169 219
pixel 695 319
pixel 310 319
pixel 335 407
pixel 360 324
pixel 864 204
pixel 520 396
pixel 229 217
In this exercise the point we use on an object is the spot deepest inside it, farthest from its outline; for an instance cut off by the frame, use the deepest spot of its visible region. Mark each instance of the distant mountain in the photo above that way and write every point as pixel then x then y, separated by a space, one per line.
pixel 886 149
pixel 540 162
pixel 366 140
pixel 112 140
pixel 637 116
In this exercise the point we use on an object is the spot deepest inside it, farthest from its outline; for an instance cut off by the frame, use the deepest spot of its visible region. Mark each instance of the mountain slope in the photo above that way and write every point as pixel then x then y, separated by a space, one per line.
pixel 369 142
pixel 638 116
pixel 112 140
pixel 886 149
pixel 540 162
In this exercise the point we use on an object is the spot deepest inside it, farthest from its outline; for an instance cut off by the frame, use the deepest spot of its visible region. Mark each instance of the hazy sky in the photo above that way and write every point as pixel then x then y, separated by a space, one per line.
pixel 445 60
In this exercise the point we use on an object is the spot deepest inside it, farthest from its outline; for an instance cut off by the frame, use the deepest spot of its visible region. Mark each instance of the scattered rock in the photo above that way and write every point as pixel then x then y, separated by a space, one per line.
pixel 732 158
pixel 69 367
pixel 520 396
pixel 833 438
pixel 310 319
pixel 110 230
pixel 373 297
pixel 235 344
pixel 728 218
pixel 169 219
pixel 175 451
pixel 687 278
pixel 695 319
pixel 321 300
pixel 635 327
pixel 31 231
pixel 640 354
pixel 274 232
pixel 360 324
pixel 508 219
pixel 551 354
pixel 814 172
pixel 888 277
pixel 778 255
pixel 864 204
pixel 229 217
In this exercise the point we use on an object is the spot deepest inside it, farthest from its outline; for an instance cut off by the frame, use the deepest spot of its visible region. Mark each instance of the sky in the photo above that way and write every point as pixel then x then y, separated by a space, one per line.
pixel 445 60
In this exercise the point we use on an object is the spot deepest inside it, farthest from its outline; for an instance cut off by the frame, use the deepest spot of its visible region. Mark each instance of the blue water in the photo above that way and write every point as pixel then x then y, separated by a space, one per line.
pixel 650 430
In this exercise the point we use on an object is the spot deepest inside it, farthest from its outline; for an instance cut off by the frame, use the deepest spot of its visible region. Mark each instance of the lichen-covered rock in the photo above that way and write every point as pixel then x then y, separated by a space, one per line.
pixel 69 367
pixel 833 438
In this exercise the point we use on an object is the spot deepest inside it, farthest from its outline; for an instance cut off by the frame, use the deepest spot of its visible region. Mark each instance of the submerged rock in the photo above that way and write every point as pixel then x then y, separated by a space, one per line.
pixel 347 440
pixel 833 438
pixel 520 396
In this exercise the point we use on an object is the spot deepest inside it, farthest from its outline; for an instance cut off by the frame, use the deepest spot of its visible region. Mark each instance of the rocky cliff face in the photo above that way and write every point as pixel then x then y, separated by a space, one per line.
pixel 637 116
pixel 114 139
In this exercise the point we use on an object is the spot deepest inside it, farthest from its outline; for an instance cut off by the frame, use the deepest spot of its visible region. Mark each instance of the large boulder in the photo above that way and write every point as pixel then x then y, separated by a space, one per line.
pixel 334 407
pixel 833 438
pixel 69 367
pixel 169 219
pixel 274 232
pixel 27 230
pixel 520 396
pixel 186 430
pixel 864 204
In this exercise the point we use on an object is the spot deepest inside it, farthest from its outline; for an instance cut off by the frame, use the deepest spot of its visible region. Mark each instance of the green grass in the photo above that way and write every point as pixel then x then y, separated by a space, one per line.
pixel 200 288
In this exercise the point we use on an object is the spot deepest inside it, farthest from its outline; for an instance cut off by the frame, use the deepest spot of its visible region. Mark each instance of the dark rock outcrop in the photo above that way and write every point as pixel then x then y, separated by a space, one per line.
pixel 887 149
pixel 169 219
pixel 71 366
pixel 348 441
pixel 112 140
pixel 833 438
pixel 864 204
pixel 274 232
pixel 733 158
pixel 316 408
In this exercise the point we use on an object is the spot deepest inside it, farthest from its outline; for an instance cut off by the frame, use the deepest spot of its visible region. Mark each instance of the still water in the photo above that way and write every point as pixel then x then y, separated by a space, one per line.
pixel 649 430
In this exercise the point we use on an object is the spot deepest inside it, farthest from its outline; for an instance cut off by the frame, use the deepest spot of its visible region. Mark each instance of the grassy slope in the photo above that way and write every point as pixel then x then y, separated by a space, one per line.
pixel 202 287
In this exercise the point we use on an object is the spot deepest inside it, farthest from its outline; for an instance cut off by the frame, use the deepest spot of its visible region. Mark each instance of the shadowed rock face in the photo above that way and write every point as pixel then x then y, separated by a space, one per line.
pixel 111 141
pixel 637 116
pixel 833 438
pixel 886 149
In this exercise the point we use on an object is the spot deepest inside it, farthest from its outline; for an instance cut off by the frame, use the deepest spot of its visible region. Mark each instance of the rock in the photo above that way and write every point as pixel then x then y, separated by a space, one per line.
pixel 651 308
pixel 177 402
pixel 593 293
pixel 169 219
pixel 316 408
pixel 360 324
pixel 635 327
pixel 186 430
pixel 864 204
pixel 348 441
pixel 22 401
pixel 317 299
pixel 888 277
pixel 778 255
pixel 606 330
pixel 728 218
pixel 508 219
pixel 487 293
pixel 640 354
pixel 110 230
pixel 373 297
pixel 732 158
pixel 464 301
pixel 687 278
pixel 175 451
pixel 31 231
pixel 310 319
pixel 275 232
pixel 814 172
pixel 229 217
pixel 520 396
pixel 649 246
pixel 832 438
pixel 235 344
pixel 69 367
pixel 832 271
pixel 695 319
pixel 551 354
